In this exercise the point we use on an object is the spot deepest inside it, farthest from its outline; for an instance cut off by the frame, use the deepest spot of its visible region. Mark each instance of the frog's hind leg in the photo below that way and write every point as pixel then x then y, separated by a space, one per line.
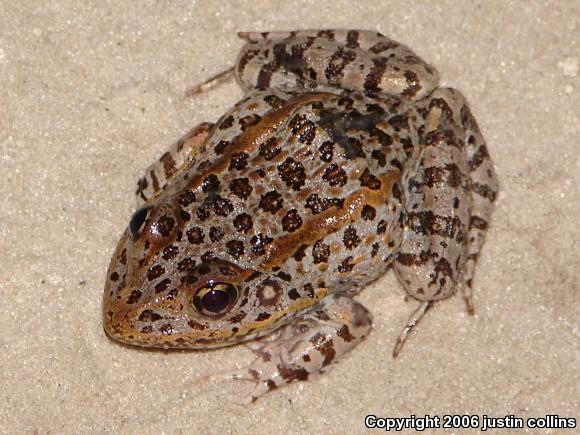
pixel 171 162
pixel 484 188
pixel 308 346
pixel 356 60
pixel 450 197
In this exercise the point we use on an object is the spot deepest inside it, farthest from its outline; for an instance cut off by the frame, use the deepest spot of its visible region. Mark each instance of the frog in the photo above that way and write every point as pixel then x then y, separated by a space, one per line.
pixel 343 159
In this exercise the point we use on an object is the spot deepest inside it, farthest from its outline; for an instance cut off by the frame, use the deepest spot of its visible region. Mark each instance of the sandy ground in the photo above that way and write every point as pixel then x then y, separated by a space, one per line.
pixel 92 92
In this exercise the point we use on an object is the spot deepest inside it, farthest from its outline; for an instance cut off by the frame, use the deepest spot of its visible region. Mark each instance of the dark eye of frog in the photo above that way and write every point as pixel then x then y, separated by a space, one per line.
pixel 138 220
pixel 215 298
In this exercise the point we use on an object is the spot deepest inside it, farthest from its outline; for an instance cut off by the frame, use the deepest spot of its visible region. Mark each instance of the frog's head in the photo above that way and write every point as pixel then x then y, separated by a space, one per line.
pixel 158 296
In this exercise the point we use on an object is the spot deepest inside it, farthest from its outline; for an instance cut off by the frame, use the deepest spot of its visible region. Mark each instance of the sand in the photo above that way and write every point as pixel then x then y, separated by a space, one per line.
pixel 92 92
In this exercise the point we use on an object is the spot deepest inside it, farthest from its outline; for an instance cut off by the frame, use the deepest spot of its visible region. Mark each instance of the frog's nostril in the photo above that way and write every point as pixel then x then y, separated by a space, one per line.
pixel 138 221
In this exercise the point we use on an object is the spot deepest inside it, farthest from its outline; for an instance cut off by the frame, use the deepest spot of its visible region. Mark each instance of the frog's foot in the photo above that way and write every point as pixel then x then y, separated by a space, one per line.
pixel 171 163
pixel 306 347
pixel 323 60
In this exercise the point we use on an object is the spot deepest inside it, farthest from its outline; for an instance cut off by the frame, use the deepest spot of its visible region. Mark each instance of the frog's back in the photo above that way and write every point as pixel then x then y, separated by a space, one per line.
pixel 303 185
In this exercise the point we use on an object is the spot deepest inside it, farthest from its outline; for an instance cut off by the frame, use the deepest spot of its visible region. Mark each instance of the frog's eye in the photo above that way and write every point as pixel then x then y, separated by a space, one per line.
pixel 138 221
pixel 215 298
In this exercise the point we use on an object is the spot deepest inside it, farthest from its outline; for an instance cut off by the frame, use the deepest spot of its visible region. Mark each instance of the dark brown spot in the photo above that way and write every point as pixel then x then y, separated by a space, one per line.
pixel 293 294
pixel 317 205
pixel 325 346
pixel 337 62
pixel 208 257
pixel 195 235
pixel 273 101
pixel 292 173
pixel 300 253
pixel 235 248
pixel 216 234
pixel 263 316
pixel 114 276
pixel 166 329
pixel 413 84
pixel 222 206
pixel 241 187
pixel 243 222
pixel 168 164
pixel 345 334
pixel 226 122
pixel 270 148
pixel 249 120
pixel 373 78
pixel 368 213
pixel 381 46
pixel 480 155
pixel 259 244
pixel 221 146
pixel 185 216
pixel 238 161
pixel 399 122
pixel 197 326
pixel 202 214
pixel 155 272
pixel 186 265
pixel 309 290
pixel 346 265
pixel 164 225
pixel 320 252
pixel 369 180
pixel 289 374
pixel 185 198
pixel 162 285
pixel 396 191
pixel 484 190
pixel 285 276
pixel 326 151
pixel 449 175
pixel 350 239
pixel 379 156
pixel 381 227
pixel 271 202
pixel 291 221
pixel 210 183
pixel 334 175
pixel 375 250
pixel 477 222
pixel 352 39
pixel 149 316
pixel 412 260
pixel 134 297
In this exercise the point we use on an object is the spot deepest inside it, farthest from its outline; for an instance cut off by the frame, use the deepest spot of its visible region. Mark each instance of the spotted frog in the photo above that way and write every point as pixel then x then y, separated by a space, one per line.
pixel 343 158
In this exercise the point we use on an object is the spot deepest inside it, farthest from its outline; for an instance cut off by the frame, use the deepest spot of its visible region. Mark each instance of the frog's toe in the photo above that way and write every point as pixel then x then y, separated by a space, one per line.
pixel 414 318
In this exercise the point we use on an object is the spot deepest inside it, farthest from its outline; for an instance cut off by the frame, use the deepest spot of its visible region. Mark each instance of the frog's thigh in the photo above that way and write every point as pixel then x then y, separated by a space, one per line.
pixel 309 345
pixel 449 204
pixel 333 59
pixel 170 163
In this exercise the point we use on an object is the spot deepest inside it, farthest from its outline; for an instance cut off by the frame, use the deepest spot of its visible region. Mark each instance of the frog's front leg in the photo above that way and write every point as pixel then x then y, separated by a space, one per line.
pixel 327 60
pixel 308 346
pixel 450 193
pixel 158 175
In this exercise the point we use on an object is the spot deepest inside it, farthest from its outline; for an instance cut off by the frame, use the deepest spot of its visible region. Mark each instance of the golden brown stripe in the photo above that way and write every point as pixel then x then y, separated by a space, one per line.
pixel 329 221
pixel 257 134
